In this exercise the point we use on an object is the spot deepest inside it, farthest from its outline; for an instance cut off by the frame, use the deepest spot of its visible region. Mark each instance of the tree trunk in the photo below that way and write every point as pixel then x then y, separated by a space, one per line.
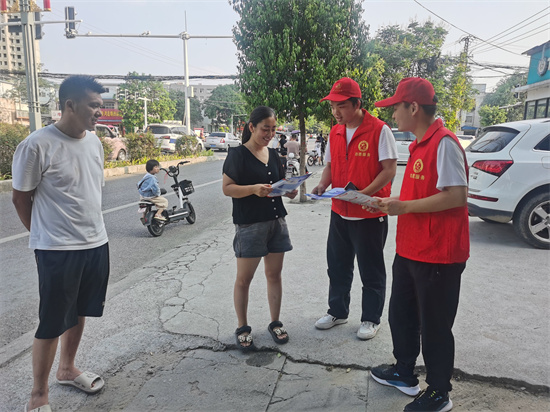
pixel 303 153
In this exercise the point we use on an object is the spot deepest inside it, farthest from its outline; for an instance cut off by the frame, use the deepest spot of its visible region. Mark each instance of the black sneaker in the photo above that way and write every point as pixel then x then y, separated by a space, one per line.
pixel 388 375
pixel 431 400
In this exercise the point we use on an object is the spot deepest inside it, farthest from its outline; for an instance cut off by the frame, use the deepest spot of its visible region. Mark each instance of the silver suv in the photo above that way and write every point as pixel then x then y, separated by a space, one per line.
pixel 510 178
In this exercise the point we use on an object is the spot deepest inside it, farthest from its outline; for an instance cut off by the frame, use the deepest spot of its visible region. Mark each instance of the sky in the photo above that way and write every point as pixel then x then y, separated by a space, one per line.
pixel 523 24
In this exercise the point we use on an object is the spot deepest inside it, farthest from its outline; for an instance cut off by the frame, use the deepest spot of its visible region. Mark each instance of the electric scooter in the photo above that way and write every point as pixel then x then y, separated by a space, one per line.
pixel 292 166
pixel 184 210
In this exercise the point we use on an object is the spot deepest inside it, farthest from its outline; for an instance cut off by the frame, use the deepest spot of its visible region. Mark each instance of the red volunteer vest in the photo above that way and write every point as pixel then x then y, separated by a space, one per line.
pixel 357 163
pixel 439 237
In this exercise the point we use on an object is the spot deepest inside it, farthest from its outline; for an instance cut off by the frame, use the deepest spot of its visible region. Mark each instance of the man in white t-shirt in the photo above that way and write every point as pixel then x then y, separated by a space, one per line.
pixel 57 182
pixel 361 150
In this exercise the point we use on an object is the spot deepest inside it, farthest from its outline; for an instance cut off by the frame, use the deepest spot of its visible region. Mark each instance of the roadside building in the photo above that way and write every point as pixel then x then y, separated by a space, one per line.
pixel 11 41
pixel 471 121
pixel 538 83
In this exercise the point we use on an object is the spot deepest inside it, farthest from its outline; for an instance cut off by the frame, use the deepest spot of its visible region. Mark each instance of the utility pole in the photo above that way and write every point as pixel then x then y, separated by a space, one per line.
pixel 147 35
pixel 145 100
pixel 28 32
pixel 27 23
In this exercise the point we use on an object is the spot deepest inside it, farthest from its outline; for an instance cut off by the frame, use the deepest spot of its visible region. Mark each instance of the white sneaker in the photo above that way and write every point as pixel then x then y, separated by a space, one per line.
pixel 367 330
pixel 328 321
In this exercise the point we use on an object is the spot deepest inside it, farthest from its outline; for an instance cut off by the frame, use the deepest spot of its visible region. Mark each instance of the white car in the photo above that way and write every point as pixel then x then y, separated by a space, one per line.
pixel 510 178
pixel 403 141
pixel 167 134
pixel 222 141
pixel 465 139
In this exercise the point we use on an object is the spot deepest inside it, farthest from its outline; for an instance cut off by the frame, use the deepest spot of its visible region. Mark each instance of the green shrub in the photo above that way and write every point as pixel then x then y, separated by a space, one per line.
pixel 10 136
pixel 188 146
pixel 142 145
pixel 107 149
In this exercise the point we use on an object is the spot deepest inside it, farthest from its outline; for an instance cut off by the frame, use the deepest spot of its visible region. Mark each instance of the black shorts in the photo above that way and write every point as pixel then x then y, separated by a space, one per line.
pixel 71 283
pixel 259 239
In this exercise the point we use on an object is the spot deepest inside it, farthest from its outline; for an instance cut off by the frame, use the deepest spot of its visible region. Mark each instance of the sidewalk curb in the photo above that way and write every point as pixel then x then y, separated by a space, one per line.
pixel 6 185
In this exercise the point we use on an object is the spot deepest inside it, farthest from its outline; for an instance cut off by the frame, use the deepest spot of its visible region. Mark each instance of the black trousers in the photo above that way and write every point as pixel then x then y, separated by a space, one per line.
pixel 364 239
pixel 423 305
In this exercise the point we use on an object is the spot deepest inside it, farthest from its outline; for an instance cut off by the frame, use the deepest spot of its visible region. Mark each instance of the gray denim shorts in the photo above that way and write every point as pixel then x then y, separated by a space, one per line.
pixel 259 239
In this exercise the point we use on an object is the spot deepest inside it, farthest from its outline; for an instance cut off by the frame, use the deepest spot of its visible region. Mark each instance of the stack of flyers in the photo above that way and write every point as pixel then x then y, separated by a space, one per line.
pixel 352 196
pixel 285 186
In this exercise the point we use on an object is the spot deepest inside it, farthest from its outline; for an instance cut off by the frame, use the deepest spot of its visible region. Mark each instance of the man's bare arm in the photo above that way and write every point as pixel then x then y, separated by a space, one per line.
pixel 23 205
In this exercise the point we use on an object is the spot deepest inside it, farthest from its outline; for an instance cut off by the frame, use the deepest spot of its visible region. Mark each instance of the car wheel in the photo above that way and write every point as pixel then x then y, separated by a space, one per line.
pixel 532 220
pixel 121 155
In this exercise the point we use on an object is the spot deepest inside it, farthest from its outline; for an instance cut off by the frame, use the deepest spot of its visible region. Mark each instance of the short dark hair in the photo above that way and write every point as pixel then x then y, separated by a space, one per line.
pixel 150 165
pixel 428 109
pixel 76 87
pixel 355 100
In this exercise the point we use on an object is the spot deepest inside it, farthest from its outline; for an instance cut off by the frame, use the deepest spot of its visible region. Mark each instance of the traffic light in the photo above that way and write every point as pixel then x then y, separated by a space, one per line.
pixel 37 26
pixel 70 28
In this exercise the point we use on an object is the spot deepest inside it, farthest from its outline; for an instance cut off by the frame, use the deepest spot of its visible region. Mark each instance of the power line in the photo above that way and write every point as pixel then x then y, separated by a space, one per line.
pixel 523 21
pixel 515 39
pixel 462 30
pixel 49 75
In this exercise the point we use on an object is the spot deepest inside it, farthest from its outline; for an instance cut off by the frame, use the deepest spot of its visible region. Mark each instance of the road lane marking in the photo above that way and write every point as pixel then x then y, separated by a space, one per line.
pixel 106 211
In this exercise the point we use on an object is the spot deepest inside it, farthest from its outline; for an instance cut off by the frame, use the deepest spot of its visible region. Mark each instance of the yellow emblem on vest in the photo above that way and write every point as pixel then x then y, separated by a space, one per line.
pixel 418 166
pixel 363 146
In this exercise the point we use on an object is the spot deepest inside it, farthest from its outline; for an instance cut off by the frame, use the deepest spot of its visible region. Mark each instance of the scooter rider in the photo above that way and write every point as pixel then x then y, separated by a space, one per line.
pixel 148 188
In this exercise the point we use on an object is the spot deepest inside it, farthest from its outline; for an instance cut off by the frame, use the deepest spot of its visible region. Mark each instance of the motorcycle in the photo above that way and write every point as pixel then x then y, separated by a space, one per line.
pixel 292 166
pixel 184 209
pixel 313 158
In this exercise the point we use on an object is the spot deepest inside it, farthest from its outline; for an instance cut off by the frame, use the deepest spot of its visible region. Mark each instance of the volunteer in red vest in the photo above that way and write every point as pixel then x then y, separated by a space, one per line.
pixel 432 247
pixel 361 150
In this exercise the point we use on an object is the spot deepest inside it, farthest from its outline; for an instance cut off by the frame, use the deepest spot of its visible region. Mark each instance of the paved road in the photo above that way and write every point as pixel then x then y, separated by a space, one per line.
pixel 131 245
pixel 166 341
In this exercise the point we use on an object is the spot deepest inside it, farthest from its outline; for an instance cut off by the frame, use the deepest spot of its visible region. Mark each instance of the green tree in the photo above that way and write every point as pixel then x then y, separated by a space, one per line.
pixel 455 93
pixel 415 51
pixel 196 111
pixel 19 92
pixel 490 115
pixel 159 106
pixel 291 52
pixel 224 103
pixel 504 96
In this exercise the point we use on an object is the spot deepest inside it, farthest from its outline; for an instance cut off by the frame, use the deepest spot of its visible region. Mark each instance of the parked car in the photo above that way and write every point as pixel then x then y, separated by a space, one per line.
pixel 222 141
pixel 182 131
pixel 403 141
pixel 510 178
pixel 117 144
pixel 167 134
pixel 465 139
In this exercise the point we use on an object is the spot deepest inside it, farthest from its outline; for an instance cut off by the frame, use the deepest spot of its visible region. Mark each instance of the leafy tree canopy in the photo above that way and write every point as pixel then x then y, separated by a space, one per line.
pixel 491 115
pixel 159 106
pixel 504 96
pixel 415 51
pixel 224 102
pixel 178 97
pixel 291 52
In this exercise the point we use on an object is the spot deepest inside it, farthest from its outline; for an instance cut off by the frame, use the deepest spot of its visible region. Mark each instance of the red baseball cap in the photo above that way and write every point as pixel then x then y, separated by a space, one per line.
pixel 343 89
pixel 411 89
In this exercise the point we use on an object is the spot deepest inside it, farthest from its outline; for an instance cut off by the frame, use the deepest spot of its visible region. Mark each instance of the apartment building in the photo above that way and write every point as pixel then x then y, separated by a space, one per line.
pixel 11 41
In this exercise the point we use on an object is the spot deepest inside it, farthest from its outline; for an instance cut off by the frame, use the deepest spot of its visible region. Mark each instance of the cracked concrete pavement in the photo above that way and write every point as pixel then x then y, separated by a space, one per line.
pixel 166 340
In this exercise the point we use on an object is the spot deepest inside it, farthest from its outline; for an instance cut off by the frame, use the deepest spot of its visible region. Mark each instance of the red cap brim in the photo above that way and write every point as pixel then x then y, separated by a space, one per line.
pixel 335 97
pixel 390 101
